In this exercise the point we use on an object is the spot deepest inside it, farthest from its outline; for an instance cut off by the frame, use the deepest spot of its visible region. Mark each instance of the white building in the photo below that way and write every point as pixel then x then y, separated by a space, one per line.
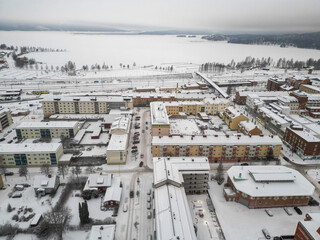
pixel 120 125
pixel 117 149
pixel 98 182
pixel 103 232
pixel 5 119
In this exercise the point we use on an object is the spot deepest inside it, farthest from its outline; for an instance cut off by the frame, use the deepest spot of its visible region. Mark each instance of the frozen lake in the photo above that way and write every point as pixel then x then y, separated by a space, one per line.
pixel 142 49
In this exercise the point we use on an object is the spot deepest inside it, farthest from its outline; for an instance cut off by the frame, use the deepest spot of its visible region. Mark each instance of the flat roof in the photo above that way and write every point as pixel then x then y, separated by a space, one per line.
pixel 41 181
pixel 216 140
pixel 49 98
pixel 312 225
pixel 40 125
pixel 273 115
pixel 29 148
pixel 118 142
pixel 308 136
pixel 106 232
pixel 274 181
pixel 121 123
pixel 97 180
pixel 159 114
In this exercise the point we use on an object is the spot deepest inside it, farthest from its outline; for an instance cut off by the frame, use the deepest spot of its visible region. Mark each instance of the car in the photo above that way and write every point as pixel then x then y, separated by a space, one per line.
pixel 15 137
pixel 149 206
pixel 149 214
pixel 147 128
pixel 142 131
pixel 269 212
pixel 141 155
pixel 134 147
pixel 266 233
pixel 134 150
pixel 136 142
pixel 10 141
pixel 136 127
pixel 285 158
pixel 131 194
pixel 8 173
pixel 149 192
pixel 298 210
pixel 136 133
pixel 141 164
pixel 244 164
pixel 2 139
pixel 17 195
pixel 148 199
pixel 125 207
pixel 146 122
pixel 287 210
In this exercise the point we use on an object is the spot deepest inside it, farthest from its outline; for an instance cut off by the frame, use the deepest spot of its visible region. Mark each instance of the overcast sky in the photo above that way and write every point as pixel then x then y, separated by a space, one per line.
pixel 209 15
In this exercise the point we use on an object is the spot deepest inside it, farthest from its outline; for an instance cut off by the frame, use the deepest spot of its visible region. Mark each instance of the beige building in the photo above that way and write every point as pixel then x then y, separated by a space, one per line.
pixel 159 119
pixel 47 129
pixel 30 154
pixel 309 89
pixel 121 125
pixel 5 119
pixel 218 147
pixel 117 149
pixel 232 118
pixel 248 128
pixel 214 106
pixel 291 102
pixel 84 105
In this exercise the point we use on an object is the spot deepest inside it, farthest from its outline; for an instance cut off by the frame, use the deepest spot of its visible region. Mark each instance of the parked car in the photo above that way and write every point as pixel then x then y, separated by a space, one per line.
pixel 285 158
pixel 131 194
pixel 134 150
pixel 141 156
pixel 313 202
pixel 149 192
pixel 288 211
pixel 148 199
pixel 15 137
pixel 142 131
pixel 136 142
pixel 266 233
pixel 141 164
pixel 125 207
pixel 244 164
pixel 298 210
pixel 17 195
pixel 2 139
pixel 149 214
pixel 8 173
pixel 149 206
pixel 134 147
pixel 269 212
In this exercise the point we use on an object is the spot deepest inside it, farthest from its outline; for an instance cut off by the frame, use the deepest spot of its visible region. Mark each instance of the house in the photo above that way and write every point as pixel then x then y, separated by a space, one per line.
pixel 98 182
pixel 103 232
pixel 232 117
pixel 43 185
pixel 112 196
pixel 248 128
pixel 267 186
pixel 309 228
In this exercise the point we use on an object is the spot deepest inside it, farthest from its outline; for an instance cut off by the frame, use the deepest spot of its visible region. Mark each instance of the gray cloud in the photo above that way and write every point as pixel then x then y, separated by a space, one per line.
pixel 209 15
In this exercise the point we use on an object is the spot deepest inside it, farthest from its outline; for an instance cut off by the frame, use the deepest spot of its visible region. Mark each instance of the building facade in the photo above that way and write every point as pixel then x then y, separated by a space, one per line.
pixel 159 119
pixel 248 128
pixel 5 119
pixel 31 154
pixel 232 118
pixel 218 147
pixel 274 84
pixel 47 129
pixel 309 228
pixel 117 149
pixel 309 89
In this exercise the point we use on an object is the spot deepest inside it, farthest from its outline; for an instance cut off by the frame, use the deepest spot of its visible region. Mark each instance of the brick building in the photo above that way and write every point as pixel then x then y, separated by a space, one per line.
pixel 309 229
pixel 305 144
pixel 267 186
pixel 248 128
pixel 274 84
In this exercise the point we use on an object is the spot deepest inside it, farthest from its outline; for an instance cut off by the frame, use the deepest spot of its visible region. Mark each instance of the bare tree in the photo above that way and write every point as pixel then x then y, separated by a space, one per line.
pixel 76 171
pixel 46 169
pixel 58 218
pixel 90 169
pixel 63 169
pixel 219 176
pixel 23 171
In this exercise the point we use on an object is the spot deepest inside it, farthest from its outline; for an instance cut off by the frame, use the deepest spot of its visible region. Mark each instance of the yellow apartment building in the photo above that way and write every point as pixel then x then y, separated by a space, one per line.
pixel 232 118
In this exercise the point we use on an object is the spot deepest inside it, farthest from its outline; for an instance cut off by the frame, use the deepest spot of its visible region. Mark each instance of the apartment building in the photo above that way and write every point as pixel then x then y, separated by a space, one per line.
pixel 213 106
pixel 274 84
pixel 309 89
pixel 47 129
pixel 159 119
pixel 291 102
pixel 241 97
pixel 117 149
pixel 233 117
pixel 267 186
pixel 173 178
pixel 31 154
pixel 5 119
pixel 120 125
pixel 304 143
pixel 297 81
pixel 84 105
pixel 225 148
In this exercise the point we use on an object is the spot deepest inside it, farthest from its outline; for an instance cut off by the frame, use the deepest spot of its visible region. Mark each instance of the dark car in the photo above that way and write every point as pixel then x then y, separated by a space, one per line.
pixel 2 139
pixel 131 194
pixel 136 142
pixel 244 164
pixel 141 164
pixel 10 141
pixel 285 158
pixel 134 150
pixel 298 210
pixel 8 173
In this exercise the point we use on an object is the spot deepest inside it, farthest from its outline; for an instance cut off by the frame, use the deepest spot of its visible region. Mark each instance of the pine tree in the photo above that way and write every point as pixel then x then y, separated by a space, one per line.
pixel 9 208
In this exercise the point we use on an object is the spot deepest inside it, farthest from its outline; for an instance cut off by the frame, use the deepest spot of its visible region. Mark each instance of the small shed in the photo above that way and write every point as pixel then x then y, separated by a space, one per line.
pixel 43 185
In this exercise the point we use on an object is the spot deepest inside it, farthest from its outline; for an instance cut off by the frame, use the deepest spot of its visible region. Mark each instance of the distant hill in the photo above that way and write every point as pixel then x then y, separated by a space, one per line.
pixel 304 40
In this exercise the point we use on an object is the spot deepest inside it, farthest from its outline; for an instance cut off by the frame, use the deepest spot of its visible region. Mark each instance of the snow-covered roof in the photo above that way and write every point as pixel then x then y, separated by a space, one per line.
pixel 312 224
pixel 184 126
pixel 273 115
pixel 216 101
pixel 49 98
pixel 97 180
pixel 41 181
pixel 188 95
pixel 113 194
pixel 172 214
pixel 288 99
pixel 118 142
pixel 248 126
pixel 232 112
pixel 47 125
pixel 171 169
pixel 308 136
pixel 216 140
pixel 29 148
pixel 269 181
pixel 103 232
pixel 159 114
pixel 4 110
pixel 121 123
pixel 264 93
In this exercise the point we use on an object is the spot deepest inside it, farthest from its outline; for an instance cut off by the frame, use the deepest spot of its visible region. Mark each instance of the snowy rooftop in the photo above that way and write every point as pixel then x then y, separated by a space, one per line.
pixel 308 136
pixel 265 181
pixel 4 110
pixel 41 181
pixel 188 95
pixel 55 124
pixel 216 140
pixel 288 99
pixel 121 123
pixel 29 148
pixel 184 126
pixel 159 114
pixel 232 112
pixel 170 169
pixel 273 115
pixel 264 94
pixel 172 215
pixel 103 232
pixel 311 87
pixel 113 194
pixel 248 126
pixel 83 99
pixel 312 226
pixel 97 180
pixel 216 101
pixel 118 142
